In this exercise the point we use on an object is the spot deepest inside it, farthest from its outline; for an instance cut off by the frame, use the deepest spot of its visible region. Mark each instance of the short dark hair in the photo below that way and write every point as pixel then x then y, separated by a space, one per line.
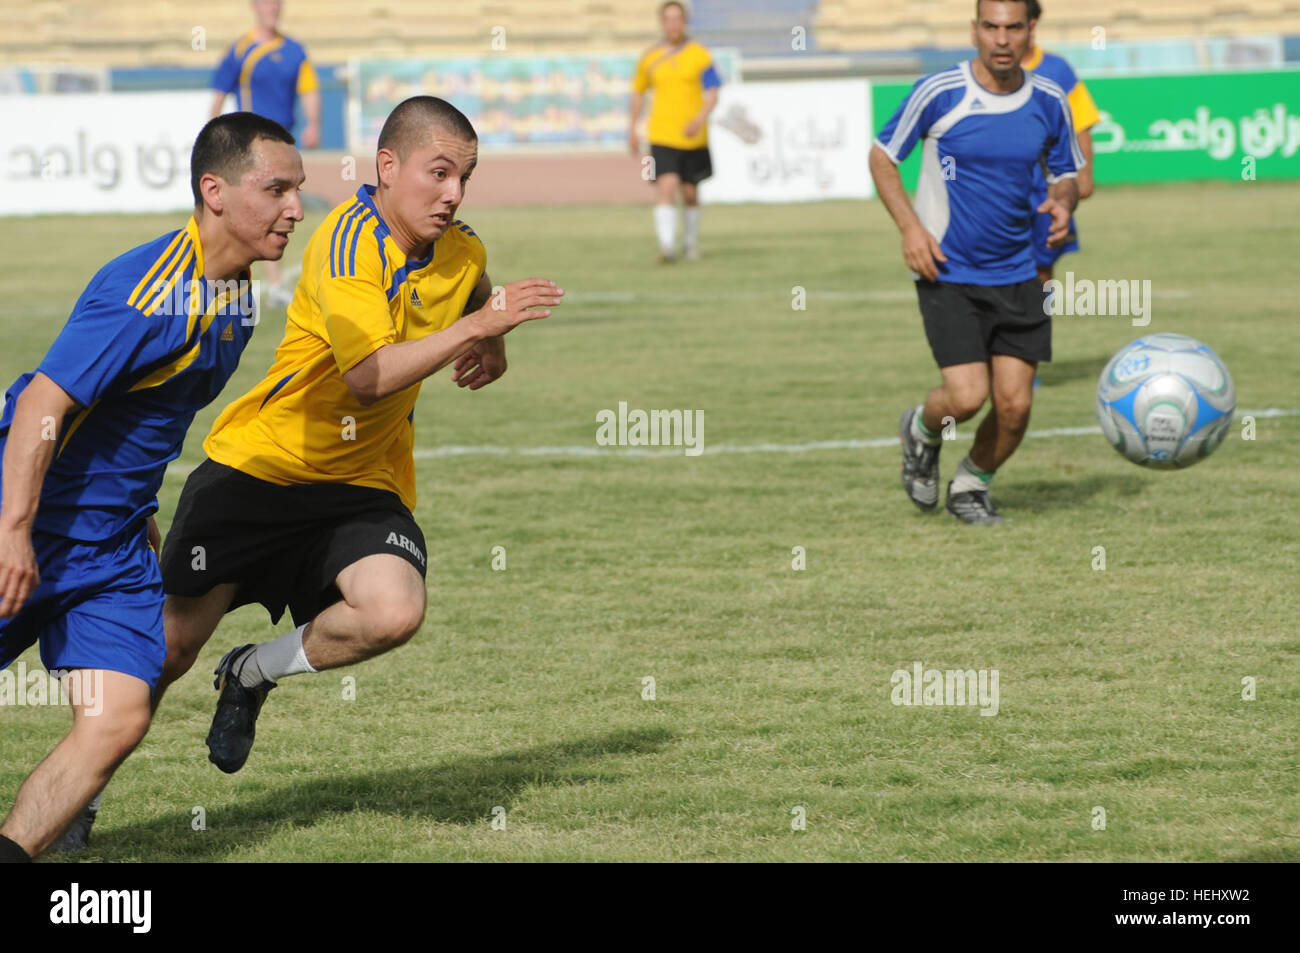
pixel 663 8
pixel 1032 10
pixel 409 122
pixel 224 147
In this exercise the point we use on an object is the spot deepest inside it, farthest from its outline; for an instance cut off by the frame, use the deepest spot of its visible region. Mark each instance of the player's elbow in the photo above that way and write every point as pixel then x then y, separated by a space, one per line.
pixel 363 383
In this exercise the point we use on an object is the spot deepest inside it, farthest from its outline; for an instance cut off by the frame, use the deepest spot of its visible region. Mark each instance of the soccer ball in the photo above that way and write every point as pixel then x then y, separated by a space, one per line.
pixel 1166 401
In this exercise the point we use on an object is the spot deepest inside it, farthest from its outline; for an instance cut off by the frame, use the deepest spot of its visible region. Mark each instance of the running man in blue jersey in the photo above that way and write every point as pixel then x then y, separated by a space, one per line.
pixel 984 126
pixel 86 439
pixel 1086 116
pixel 269 73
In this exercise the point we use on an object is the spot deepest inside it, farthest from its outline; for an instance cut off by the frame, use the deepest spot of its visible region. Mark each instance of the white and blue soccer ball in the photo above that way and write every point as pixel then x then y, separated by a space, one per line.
pixel 1166 401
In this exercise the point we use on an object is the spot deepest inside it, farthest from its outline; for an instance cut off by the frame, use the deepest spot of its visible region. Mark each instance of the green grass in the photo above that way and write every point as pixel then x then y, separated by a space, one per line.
pixel 1119 689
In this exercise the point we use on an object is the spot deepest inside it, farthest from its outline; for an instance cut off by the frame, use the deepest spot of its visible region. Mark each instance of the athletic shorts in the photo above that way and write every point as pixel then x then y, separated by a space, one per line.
pixel 98 605
pixel 283 545
pixel 969 323
pixel 692 166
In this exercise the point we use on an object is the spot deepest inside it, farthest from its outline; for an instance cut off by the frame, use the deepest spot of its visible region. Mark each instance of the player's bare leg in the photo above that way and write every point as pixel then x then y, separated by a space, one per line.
pixel 666 188
pixel 1005 424
pixel 105 729
pixel 996 439
pixel 963 391
pixel 382 607
pixel 691 222
pixel 189 622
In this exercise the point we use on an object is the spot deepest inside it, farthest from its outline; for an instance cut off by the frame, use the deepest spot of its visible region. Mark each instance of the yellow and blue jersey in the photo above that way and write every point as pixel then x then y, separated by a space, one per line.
pixel 678 79
pixel 267 78
pixel 149 343
pixel 1086 116
pixel 358 292
pixel 1062 74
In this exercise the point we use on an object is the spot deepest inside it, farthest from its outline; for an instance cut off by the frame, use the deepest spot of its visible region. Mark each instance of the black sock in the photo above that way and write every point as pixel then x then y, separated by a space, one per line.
pixel 11 853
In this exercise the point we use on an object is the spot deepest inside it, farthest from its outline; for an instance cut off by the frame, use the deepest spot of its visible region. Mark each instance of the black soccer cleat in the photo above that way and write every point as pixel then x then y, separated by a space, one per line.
pixel 974 507
pixel 234 724
pixel 920 465
pixel 77 837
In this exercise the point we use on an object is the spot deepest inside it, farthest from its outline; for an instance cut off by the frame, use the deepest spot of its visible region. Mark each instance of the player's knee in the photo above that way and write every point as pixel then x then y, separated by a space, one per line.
pixel 395 623
pixel 112 734
pixel 965 402
pixel 1013 412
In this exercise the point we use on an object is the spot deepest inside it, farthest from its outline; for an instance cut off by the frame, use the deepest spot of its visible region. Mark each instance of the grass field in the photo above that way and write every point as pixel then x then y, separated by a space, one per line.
pixel 1119 689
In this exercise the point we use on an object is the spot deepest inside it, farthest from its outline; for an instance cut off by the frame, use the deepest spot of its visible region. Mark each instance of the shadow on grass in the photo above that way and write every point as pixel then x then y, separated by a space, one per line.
pixel 1062 372
pixel 460 790
pixel 1039 496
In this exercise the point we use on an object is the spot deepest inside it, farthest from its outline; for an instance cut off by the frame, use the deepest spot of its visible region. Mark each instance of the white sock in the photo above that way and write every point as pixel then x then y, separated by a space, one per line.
pixel 666 228
pixel 925 438
pixel 692 226
pixel 969 478
pixel 283 656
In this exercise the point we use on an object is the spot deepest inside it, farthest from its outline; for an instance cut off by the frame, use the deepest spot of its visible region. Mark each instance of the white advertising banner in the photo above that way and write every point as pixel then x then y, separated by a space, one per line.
pixel 99 152
pixel 790 142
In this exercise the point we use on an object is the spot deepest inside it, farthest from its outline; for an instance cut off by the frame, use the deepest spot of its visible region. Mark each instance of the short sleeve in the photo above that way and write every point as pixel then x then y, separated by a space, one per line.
pixel 104 343
pixel 641 79
pixel 1086 114
pixel 1064 157
pixel 226 78
pixel 911 120
pixel 354 310
pixel 308 81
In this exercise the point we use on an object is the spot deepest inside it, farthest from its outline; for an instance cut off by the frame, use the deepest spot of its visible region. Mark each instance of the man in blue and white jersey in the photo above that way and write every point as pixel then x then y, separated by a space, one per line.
pixel 984 126
pixel 86 439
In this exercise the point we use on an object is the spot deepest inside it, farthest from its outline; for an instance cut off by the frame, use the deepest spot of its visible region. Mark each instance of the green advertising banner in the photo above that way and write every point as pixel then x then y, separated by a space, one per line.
pixel 1176 128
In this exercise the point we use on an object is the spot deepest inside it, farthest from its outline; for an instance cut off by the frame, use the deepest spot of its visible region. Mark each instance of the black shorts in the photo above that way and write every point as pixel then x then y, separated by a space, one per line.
pixel 283 545
pixel 692 166
pixel 969 323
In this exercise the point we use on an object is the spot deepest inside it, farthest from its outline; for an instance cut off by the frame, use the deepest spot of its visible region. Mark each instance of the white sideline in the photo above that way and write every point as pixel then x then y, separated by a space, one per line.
pixel 453 450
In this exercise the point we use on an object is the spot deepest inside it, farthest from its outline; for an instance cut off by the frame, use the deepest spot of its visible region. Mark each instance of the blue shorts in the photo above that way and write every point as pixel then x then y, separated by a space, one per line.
pixel 1045 257
pixel 98 605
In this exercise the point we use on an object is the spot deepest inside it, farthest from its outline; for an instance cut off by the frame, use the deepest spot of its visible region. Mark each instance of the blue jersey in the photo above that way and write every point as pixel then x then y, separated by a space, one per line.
pixel 149 343
pixel 979 156
pixel 266 78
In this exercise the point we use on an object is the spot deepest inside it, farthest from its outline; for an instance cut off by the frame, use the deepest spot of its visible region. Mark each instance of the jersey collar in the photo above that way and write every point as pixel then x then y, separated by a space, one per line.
pixel 1035 59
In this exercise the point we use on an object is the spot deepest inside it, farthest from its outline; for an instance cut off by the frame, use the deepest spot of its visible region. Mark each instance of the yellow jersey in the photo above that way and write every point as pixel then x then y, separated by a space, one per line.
pixel 678 79
pixel 1060 72
pixel 358 292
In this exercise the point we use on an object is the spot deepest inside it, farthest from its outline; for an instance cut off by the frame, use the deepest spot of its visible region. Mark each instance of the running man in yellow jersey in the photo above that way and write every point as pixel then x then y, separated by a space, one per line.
pixel 305 500
pixel 684 82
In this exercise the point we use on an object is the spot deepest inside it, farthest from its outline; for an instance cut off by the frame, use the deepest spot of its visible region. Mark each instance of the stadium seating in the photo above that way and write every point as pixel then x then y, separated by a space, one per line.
pixel 161 32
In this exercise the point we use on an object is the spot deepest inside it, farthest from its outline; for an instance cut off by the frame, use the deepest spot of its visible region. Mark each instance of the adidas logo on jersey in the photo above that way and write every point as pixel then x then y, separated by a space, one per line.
pixel 229 333
pixel 415 298
pixel 977 104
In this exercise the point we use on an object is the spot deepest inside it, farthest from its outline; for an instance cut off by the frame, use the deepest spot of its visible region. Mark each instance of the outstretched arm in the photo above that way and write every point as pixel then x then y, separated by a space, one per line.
pixel 395 367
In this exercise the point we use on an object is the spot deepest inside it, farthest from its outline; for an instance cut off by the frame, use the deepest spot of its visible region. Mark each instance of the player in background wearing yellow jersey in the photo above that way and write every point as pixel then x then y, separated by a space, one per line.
pixel 305 499
pixel 268 73
pixel 1086 116
pixel 684 82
